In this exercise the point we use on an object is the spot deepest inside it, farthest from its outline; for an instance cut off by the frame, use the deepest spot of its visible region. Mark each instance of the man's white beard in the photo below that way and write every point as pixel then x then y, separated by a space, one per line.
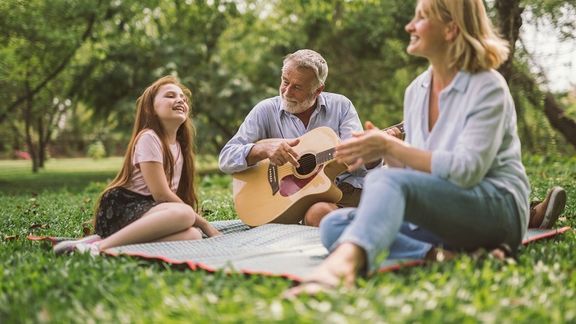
pixel 296 108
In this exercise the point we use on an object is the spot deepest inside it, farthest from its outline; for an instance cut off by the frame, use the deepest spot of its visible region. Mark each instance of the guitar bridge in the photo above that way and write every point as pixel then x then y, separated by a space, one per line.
pixel 273 178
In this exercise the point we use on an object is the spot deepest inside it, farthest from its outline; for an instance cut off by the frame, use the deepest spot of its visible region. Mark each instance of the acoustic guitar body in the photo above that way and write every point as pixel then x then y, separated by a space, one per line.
pixel 266 193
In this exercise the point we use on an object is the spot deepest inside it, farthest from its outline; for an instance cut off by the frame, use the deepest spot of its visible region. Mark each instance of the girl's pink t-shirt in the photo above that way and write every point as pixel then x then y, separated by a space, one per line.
pixel 148 148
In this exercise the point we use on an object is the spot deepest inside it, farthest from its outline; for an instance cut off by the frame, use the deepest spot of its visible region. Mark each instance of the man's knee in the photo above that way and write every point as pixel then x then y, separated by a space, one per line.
pixel 316 212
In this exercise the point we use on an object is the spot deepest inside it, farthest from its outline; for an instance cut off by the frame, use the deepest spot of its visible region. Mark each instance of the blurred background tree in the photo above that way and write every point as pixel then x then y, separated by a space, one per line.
pixel 72 80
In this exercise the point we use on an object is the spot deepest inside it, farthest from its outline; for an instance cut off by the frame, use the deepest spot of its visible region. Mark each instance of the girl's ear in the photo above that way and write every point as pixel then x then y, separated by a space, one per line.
pixel 451 31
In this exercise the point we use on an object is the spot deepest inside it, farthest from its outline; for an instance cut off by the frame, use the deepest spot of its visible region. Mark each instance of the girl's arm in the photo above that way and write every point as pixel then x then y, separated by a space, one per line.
pixel 155 179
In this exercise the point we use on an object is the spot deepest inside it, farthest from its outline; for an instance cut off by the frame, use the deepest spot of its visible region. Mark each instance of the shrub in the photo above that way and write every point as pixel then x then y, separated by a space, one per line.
pixel 96 150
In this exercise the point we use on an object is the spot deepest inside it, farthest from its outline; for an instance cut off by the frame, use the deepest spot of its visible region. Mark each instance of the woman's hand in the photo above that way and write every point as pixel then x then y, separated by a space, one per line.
pixel 369 145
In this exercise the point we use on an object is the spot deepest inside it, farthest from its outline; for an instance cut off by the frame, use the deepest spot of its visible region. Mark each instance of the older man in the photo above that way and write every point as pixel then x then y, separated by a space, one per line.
pixel 301 106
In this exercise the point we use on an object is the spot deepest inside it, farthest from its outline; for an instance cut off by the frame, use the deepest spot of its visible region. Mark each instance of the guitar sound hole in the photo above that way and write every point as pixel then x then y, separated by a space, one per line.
pixel 307 164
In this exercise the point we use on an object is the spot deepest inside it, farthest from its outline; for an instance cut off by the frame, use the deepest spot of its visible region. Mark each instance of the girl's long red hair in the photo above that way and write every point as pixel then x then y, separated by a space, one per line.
pixel 147 119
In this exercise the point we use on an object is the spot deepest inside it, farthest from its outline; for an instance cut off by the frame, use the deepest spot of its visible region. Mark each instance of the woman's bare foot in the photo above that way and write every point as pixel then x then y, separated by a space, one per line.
pixel 338 270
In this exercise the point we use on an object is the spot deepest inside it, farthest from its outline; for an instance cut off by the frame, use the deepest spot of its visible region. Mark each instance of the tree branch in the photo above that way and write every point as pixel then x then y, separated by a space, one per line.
pixel 59 68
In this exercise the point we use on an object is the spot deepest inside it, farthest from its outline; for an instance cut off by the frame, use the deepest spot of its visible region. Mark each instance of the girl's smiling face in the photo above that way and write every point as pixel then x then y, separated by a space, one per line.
pixel 171 104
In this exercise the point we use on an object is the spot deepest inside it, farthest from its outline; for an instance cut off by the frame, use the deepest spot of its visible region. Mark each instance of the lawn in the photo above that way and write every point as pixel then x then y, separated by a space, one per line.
pixel 37 286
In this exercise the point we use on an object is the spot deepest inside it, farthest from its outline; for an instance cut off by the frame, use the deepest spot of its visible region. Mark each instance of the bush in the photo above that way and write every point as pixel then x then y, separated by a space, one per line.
pixel 96 150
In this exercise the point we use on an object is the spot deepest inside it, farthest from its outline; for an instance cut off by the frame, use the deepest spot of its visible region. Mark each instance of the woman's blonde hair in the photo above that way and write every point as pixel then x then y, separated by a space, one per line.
pixel 147 119
pixel 478 46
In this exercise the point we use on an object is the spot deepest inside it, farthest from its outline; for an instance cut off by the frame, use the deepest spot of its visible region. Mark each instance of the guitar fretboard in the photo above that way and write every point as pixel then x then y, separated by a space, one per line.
pixel 325 156
pixel 328 155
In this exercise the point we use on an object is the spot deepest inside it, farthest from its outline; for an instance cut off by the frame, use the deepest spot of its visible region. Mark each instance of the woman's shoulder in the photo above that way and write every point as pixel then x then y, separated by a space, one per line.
pixel 488 77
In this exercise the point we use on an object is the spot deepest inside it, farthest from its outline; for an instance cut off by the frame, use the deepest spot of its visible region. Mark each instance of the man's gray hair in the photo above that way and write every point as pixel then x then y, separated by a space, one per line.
pixel 309 59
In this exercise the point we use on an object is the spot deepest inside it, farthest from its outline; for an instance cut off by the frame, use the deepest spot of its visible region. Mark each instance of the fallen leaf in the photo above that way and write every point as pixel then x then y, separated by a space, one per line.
pixel 43 226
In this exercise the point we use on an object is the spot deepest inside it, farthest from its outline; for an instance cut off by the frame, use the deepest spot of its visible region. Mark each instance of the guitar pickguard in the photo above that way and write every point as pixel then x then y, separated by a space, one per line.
pixel 291 184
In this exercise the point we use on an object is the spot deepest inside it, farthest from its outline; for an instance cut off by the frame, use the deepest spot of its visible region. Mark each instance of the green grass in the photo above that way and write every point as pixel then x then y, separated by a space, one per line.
pixel 36 286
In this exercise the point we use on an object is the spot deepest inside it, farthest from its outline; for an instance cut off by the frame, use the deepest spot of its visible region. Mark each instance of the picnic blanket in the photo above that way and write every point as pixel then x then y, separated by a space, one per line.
pixel 289 251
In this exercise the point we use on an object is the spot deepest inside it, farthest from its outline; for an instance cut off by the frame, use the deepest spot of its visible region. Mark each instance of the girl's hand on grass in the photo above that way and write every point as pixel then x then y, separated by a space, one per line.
pixel 206 227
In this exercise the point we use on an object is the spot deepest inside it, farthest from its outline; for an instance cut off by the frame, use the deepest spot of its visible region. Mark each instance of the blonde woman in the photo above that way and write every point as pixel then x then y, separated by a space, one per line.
pixel 458 176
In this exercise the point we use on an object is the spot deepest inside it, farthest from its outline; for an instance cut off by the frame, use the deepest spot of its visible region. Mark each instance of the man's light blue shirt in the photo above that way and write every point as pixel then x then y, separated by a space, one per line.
pixel 268 120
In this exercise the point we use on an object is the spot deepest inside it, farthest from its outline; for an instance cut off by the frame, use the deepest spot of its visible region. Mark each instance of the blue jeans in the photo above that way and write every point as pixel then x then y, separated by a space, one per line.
pixel 407 245
pixel 457 218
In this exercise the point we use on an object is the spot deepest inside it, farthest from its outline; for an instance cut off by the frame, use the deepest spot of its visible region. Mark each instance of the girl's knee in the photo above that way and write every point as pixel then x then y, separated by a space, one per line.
pixel 184 214
pixel 193 233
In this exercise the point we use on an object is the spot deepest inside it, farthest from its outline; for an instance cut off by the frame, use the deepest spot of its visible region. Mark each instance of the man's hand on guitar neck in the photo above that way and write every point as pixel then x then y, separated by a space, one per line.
pixel 279 151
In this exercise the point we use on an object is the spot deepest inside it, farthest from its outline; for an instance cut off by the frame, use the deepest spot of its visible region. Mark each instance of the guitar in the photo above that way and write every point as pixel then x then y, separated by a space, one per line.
pixel 268 193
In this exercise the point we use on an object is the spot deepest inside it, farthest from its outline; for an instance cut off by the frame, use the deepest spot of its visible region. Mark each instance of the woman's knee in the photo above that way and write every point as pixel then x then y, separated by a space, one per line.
pixel 387 174
pixel 332 226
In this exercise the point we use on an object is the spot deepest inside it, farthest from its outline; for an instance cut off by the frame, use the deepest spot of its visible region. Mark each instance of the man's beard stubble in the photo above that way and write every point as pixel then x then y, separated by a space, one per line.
pixel 299 107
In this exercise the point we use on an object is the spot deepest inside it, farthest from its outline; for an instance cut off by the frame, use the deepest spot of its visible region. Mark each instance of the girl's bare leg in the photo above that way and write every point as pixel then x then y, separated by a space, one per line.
pixel 160 222
pixel 191 233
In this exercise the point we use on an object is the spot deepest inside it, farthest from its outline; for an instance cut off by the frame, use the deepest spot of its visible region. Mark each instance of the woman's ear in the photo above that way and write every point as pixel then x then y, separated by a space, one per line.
pixel 451 31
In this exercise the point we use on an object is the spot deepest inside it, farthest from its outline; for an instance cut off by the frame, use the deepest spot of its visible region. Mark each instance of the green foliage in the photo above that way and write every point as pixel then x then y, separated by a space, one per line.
pixel 37 286
pixel 90 61
pixel 96 150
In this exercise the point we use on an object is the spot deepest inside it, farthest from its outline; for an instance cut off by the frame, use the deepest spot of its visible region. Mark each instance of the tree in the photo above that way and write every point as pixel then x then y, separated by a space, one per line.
pixel 36 57
pixel 509 14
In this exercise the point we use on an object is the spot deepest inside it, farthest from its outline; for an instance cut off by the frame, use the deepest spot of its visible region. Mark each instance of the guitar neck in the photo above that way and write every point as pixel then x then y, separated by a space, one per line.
pixel 325 156
pixel 400 127
pixel 328 155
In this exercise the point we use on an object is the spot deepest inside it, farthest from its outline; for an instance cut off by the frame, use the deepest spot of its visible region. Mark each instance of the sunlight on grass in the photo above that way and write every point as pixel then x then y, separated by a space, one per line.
pixel 71 174
pixel 17 168
pixel 37 286
pixel 10 168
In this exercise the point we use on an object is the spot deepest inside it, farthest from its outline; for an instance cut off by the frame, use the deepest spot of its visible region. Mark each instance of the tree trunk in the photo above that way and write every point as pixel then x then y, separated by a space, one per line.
pixel 510 21
pixel 31 147
pixel 41 143
pixel 559 120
